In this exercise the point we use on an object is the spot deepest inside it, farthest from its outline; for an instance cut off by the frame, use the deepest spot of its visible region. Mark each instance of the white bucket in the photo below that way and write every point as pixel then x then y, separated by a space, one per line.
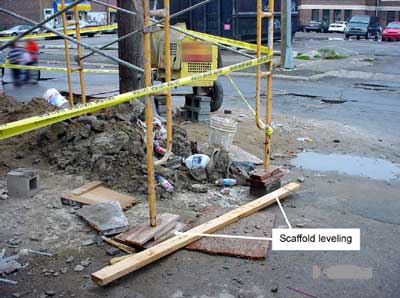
pixel 222 131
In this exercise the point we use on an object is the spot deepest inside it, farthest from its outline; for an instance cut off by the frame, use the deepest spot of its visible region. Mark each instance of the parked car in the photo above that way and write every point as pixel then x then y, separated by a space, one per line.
pixel 17 30
pixel 339 26
pixel 391 32
pixel 71 26
pixel 317 26
pixel 363 26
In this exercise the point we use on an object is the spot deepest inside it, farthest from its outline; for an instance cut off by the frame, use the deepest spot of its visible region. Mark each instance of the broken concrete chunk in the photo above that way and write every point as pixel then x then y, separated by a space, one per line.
pixel 107 218
pixel 79 268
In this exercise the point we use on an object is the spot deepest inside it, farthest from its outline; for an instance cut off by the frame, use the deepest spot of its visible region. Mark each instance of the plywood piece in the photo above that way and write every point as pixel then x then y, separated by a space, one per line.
pixel 180 227
pixel 95 192
pixel 107 218
pixel 139 260
pixel 144 232
pixel 258 224
pixel 240 155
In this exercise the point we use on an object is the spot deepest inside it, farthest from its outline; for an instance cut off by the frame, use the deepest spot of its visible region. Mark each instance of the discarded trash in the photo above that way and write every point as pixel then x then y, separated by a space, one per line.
pixel 54 98
pixel 226 191
pixel 197 161
pixel 26 251
pixel 226 182
pixel 222 131
pixel 160 150
pixel 199 188
pixel 308 140
pixel 160 133
pixel 8 281
pixel 164 183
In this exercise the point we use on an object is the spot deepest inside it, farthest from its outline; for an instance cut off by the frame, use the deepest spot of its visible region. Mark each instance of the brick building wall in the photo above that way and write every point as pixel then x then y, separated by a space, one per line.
pixel 33 9
pixel 334 10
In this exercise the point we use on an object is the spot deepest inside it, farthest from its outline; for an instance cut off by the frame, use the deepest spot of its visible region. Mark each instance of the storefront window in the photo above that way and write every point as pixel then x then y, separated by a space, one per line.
pixel 347 15
pixel 326 15
pixel 315 15
pixel 337 15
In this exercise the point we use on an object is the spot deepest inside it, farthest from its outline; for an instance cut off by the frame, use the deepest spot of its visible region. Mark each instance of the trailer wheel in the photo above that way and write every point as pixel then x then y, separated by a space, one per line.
pixel 217 96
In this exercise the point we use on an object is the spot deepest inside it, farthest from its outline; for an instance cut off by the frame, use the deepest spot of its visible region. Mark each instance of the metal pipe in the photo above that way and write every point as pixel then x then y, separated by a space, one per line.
pixel 78 38
pixel 67 60
pixel 122 62
pixel 149 118
pixel 268 106
pixel 57 14
pixel 167 67
pixel 258 68
pixel 155 22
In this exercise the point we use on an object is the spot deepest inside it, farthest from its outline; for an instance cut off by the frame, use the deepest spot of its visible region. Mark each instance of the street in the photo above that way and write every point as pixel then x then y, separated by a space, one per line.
pixel 349 172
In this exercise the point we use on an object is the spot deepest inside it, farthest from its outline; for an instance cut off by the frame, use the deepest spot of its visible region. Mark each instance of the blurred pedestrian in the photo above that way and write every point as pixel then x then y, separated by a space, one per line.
pixel 2 61
pixel 32 49
pixel 16 56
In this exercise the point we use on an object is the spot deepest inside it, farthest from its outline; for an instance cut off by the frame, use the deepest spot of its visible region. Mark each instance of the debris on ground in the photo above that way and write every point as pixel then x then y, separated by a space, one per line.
pixel 106 218
pixel 95 192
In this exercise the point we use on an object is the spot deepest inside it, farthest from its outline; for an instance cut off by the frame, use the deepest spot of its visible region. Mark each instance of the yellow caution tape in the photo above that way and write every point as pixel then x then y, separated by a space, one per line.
pixel 55 69
pixel 69 32
pixel 29 124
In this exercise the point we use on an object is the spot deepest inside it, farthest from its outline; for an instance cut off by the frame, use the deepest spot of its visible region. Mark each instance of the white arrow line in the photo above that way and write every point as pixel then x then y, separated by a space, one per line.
pixel 224 236
pixel 283 212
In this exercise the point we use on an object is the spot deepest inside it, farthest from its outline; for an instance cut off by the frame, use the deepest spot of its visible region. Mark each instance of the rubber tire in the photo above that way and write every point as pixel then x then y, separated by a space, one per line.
pixel 217 96
pixel 358 37
pixel 307 30
pixel 347 36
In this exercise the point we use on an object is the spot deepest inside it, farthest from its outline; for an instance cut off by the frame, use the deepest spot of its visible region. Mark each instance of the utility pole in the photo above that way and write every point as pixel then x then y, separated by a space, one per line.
pixel 130 49
pixel 286 35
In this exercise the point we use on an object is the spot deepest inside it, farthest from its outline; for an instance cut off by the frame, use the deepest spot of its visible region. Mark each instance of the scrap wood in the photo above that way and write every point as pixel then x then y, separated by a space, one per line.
pixel 139 260
pixel 259 224
pixel 263 175
pixel 119 259
pixel 95 192
pixel 121 246
pixel 144 232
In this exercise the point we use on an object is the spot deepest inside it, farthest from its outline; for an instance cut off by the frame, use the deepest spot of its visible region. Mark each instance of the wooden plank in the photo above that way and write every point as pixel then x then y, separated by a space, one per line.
pixel 144 232
pixel 259 224
pixel 113 272
pixel 85 188
pixel 262 175
pixel 121 246
pixel 94 193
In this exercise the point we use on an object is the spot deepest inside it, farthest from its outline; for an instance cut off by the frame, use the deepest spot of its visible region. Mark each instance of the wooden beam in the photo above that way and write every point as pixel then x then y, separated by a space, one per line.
pixel 139 260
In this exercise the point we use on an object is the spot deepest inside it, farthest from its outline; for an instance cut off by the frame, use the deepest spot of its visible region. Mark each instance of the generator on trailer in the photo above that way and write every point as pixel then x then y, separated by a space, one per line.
pixel 189 56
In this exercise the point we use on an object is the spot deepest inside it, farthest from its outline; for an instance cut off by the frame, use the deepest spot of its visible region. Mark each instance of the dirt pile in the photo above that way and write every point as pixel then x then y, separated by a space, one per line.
pixel 11 110
pixel 109 147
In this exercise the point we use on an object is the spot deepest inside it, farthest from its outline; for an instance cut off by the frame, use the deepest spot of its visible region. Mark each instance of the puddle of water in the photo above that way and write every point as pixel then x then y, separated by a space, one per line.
pixel 378 169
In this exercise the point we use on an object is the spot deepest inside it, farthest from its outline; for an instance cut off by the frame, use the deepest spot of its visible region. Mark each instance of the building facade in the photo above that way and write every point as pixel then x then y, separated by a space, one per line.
pixel 342 10
pixel 38 10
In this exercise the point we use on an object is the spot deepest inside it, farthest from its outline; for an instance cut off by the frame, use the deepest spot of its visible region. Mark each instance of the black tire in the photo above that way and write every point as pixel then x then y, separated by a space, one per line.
pixel 347 36
pixel 91 35
pixel 358 37
pixel 307 30
pixel 217 96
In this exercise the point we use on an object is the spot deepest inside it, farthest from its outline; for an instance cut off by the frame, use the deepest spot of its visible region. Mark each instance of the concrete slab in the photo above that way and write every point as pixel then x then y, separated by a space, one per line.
pixel 107 218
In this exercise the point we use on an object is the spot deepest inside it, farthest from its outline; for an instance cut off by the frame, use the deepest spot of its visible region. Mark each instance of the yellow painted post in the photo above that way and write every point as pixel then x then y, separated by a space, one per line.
pixel 149 118
pixel 80 62
pixel 268 112
pixel 67 60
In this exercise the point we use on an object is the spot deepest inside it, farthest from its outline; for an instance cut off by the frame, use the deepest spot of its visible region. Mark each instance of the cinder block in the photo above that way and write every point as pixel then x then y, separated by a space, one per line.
pixel 23 183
